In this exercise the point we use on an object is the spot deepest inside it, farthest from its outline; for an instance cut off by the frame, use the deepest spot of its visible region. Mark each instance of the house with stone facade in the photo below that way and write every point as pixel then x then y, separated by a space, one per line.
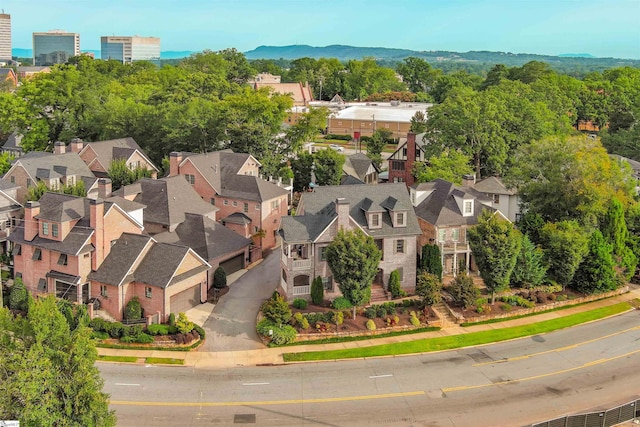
pixel 381 211
pixel 231 182
pixel 444 212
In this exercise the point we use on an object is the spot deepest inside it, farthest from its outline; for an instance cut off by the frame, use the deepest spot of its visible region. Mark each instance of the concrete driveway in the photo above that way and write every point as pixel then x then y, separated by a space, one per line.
pixel 232 324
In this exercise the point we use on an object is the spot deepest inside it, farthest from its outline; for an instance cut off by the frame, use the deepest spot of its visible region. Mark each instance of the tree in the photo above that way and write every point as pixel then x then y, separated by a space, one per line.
pixel 564 245
pixel 35 192
pixel 417 74
pixel 530 269
pixel 616 233
pixel 48 376
pixel 463 291
pixel 5 162
pixel 317 291
pixel 18 296
pixel 376 144
pixel 219 278
pixel 495 244
pixel 418 123
pixel 328 167
pixel 429 286
pixel 353 258
pixel 277 310
pixel 309 125
pixel 120 174
pixel 431 260
pixel 596 273
pixel 450 165
pixel 302 167
pixel 133 309
pixel 395 286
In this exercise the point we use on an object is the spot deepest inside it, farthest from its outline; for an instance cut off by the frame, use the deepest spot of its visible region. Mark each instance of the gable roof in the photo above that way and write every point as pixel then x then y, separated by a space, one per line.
pixel 300 93
pixel 440 207
pixel 13 142
pixel 402 143
pixel 117 267
pixel 320 211
pixel 206 237
pixel 492 185
pixel 41 165
pixel 357 165
pixel 159 266
pixel 116 149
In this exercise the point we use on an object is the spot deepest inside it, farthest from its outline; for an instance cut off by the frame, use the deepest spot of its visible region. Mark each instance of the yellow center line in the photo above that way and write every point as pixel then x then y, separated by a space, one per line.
pixel 535 377
pixel 271 402
pixel 556 350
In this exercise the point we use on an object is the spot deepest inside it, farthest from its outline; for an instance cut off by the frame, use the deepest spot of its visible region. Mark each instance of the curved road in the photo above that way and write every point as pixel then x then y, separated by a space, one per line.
pixel 508 384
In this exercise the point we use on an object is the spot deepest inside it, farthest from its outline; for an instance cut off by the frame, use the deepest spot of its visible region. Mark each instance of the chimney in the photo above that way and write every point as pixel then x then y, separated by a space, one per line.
pixel 411 158
pixel 59 148
pixel 468 180
pixel 104 188
pixel 31 225
pixel 76 145
pixel 175 158
pixel 96 222
pixel 342 209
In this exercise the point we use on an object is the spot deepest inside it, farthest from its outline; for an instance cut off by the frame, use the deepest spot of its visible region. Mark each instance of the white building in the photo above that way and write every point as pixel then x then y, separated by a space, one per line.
pixel 128 49
pixel 5 37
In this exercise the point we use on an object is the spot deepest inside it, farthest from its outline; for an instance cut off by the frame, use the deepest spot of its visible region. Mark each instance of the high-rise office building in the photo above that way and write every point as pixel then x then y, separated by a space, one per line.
pixel 5 37
pixel 54 47
pixel 128 49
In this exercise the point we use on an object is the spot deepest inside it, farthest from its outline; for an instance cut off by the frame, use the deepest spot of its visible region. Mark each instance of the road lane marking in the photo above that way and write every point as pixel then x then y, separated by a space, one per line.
pixel 380 376
pixel 251 384
pixel 271 402
pixel 535 377
pixel 555 350
pixel 127 384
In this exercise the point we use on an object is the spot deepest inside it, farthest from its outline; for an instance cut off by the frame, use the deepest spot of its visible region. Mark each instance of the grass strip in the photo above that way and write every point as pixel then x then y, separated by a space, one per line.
pixel 463 340
pixel 333 340
pixel 124 359
pixel 142 347
pixel 164 360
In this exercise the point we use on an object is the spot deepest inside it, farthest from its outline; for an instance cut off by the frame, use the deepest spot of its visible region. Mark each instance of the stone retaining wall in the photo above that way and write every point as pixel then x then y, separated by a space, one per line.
pixel 379 331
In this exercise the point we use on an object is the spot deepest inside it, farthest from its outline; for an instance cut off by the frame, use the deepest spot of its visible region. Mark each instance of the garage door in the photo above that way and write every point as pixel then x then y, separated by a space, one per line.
pixel 185 300
pixel 234 264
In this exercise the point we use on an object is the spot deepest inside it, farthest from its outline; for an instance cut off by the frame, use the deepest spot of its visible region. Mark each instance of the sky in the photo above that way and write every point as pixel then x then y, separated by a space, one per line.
pixel 604 28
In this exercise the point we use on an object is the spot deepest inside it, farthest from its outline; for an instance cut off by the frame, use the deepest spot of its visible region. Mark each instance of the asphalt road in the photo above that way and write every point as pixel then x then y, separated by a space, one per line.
pixel 508 384
pixel 232 324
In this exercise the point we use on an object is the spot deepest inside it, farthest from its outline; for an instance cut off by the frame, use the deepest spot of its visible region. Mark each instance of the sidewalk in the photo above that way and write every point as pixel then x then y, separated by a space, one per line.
pixel 273 356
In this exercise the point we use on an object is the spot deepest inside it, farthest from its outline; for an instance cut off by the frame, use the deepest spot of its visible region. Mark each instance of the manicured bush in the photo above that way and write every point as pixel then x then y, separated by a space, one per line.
pixel 327 316
pixel 172 319
pixel 506 307
pixel 541 297
pixel 394 285
pixel 183 324
pixel 338 318
pixel 381 311
pixel 219 278
pixel 279 335
pixel 277 310
pixel 298 318
pixel 304 323
pixel 370 312
pixel 313 318
pixel 371 325
pixel 114 329
pixel 551 297
pixel 463 291
pixel 414 320
pixel 561 298
pixel 390 307
pixel 99 335
pixel 338 137
pixel 317 291
pixel 517 300
pixel 98 324
pixel 158 329
pixel 199 330
pixel 341 303
pixel 264 326
pixel 133 310
pixel 18 296
pixel 132 331
pixel 300 303
pixel 140 338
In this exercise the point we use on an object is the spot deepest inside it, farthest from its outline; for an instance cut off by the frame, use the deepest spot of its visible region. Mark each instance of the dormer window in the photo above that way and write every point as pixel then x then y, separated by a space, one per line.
pixel 468 208
pixel 54 230
pixel 45 228
pixel 374 220
pixel 401 219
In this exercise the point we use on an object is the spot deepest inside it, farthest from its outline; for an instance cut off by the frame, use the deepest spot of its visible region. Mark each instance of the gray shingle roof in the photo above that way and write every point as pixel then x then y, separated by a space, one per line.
pixel 357 165
pixel 208 238
pixel 237 218
pixel 116 266
pixel 492 185
pixel 125 204
pixel 13 142
pixel 62 207
pixel 77 241
pixel 159 265
pixel 440 207
pixel 122 148
pixel 319 210
pixel 67 164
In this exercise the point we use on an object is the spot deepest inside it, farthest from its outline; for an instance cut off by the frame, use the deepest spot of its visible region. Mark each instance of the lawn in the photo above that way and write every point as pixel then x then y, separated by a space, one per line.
pixel 164 360
pixel 463 340
pixel 125 359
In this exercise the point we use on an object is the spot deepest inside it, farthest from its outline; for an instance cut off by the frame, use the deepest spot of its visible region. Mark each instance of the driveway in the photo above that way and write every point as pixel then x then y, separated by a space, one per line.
pixel 232 324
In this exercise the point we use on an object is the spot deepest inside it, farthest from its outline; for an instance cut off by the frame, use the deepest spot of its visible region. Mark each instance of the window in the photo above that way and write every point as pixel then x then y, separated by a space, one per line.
pixel 275 205
pixel 441 234
pixel 404 152
pixel 256 229
pixel 103 291
pixel 62 260
pixel 226 202
pixel 400 219
pixel 468 207
pixel 375 220
pixel 399 246
pixel 327 283
pixel 37 255
pixel 397 165
pixel 87 255
pixel 496 198
pixel 54 230
pixel 13 179
pixel 147 291
pixel 380 245
pixel 245 208
pixel 257 206
pixel 45 228
pixel 213 201
pixel 322 253
pixel 28 182
pixel 17 249
pixel 42 285
pixel 191 179
pixel 235 203
pixel 455 234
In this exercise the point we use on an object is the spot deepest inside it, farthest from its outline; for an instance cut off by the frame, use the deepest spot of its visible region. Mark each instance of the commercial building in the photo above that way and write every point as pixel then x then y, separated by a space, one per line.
pixel 55 47
pixel 5 37
pixel 128 49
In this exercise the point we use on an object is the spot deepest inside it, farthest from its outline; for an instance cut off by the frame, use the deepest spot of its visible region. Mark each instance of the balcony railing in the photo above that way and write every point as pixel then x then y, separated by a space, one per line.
pixel 302 290
pixel 454 247
pixel 300 264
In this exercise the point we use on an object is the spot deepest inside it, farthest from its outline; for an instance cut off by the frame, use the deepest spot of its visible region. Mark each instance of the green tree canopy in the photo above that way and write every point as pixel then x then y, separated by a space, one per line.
pixel 596 273
pixel 564 244
pixel 450 165
pixel 328 167
pixel 530 269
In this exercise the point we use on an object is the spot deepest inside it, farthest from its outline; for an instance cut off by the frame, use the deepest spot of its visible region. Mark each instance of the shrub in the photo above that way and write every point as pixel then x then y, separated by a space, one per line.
pixel 551 297
pixel 300 303
pixel 341 303
pixel 390 307
pixel 277 310
pixel 317 291
pixel 561 298
pixel 132 331
pixel 18 296
pixel 172 319
pixel 99 335
pixel 173 330
pixel 199 330
pixel 98 324
pixel 463 291
pixel 429 287
pixel 158 329
pixel 313 318
pixel 133 310
pixel 506 307
pixel 179 339
pixel 304 323
pixel 114 329
pixel 381 310
pixel 327 316
pixel 264 326
pixel 370 312
pixel 407 303
pixel 371 325
pixel 394 285
pixel 541 297
pixel 283 335
pixel 338 137
pixel 414 319
pixel 517 300
pixel 219 278
pixel 338 318
pixel 322 327
pixel 298 317
pixel 183 324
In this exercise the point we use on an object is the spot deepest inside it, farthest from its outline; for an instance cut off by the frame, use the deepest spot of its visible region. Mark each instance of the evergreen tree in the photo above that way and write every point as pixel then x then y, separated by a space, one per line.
pixel 317 291
pixel 219 278
pixel 463 291
pixel 429 286
pixel 431 260
pixel 615 232
pixel 596 273
pixel 564 245
pixel 530 269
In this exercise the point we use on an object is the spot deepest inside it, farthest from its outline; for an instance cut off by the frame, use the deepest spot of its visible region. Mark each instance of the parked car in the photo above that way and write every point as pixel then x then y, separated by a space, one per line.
pixel 336 147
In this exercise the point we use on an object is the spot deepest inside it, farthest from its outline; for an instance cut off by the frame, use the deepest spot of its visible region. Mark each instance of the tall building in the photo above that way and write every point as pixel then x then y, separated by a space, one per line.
pixel 54 47
pixel 5 37
pixel 128 49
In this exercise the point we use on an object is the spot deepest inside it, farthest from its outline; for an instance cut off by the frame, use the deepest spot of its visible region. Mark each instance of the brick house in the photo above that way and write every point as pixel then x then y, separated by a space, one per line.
pixel 9 77
pixel 62 239
pixel 166 278
pixel 381 211
pixel 55 170
pixel 402 160
pixel 445 211
pixel 10 211
pixel 230 181
pixel 99 155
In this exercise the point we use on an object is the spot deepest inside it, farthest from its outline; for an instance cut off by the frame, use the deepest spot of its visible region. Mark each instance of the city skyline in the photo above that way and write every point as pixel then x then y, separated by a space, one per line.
pixel 539 27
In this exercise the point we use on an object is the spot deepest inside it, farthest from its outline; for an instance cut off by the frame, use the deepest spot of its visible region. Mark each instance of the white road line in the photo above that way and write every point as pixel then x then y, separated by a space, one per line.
pixel 380 376
pixel 250 384
pixel 127 384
